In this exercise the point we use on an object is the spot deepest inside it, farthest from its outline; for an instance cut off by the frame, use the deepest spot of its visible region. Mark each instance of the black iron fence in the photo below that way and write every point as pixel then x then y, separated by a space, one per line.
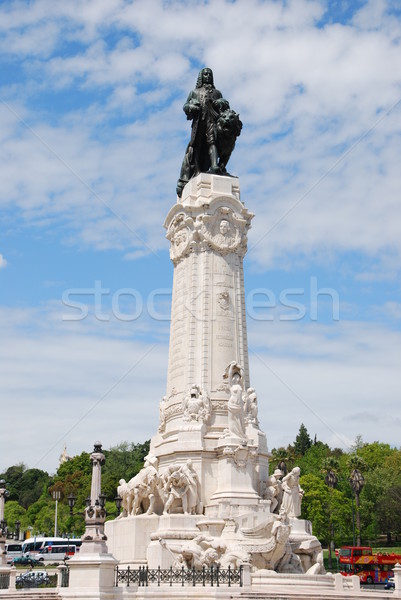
pixel 35 579
pixel 64 576
pixel 4 581
pixel 213 576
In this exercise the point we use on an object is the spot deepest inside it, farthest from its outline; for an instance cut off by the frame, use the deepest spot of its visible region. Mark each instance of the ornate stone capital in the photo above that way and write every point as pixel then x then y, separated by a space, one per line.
pixel 217 227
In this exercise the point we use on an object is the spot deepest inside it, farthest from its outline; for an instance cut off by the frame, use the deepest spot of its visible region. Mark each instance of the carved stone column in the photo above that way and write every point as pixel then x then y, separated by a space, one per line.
pixel 207 229
pixel 92 569
pixel 94 538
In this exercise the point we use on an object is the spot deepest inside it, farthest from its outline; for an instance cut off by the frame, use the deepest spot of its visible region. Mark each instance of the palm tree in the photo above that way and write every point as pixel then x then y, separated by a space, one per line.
pixel 357 482
pixel 330 468
pixel 281 456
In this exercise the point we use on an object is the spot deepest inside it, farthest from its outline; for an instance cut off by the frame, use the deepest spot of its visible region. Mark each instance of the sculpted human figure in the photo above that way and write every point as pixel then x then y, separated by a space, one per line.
pixel 275 483
pixel 251 406
pixel 292 493
pixel 209 113
pixel 194 492
pixel 176 487
pixel 236 416
pixel 199 552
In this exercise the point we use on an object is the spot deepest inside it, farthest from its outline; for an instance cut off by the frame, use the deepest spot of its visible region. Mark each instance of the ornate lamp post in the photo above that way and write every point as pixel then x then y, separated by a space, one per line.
pixel 56 494
pixel 3 495
pixel 118 500
pixel 17 529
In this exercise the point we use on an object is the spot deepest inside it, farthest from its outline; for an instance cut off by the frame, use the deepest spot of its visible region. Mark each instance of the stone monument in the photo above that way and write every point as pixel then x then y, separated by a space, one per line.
pixel 204 496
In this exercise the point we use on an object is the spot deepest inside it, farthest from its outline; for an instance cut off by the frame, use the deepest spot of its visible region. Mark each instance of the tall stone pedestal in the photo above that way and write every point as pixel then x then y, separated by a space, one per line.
pixel 204 496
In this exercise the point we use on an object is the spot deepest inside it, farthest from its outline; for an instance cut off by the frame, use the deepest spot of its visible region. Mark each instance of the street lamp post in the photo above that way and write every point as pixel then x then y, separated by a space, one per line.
pixel 17 529
pixel 3 495
pixel 56 496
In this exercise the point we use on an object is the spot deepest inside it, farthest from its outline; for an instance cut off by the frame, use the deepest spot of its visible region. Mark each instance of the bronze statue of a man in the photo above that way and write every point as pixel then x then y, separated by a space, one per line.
pixel 214 130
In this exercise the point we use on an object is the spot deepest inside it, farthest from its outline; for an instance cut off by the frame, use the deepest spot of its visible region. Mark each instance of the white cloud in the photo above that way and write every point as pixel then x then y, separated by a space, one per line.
pixel 74 382
pixel 3 262
pixel 326 87
pixel 92 135
pixel 83 381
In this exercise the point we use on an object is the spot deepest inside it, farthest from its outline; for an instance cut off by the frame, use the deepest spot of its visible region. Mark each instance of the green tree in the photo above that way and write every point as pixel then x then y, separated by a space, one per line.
pixel 122 462
pixel 303 441
pixel 13 512
pixel 329 511
pixel 282 458
pixel 388 509
pixel 356 464
pixel 311 461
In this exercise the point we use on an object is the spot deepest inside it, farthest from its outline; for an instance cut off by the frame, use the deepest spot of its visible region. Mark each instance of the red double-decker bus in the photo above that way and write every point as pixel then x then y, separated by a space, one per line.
pixel 370 567
pixel 349 554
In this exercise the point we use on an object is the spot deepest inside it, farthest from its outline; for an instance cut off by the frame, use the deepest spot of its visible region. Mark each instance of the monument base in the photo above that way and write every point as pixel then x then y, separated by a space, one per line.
pixel 92 577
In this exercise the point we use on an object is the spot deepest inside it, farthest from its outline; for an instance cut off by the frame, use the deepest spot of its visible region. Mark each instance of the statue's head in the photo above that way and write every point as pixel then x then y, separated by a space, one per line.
pixel 224 226
pixel 205 76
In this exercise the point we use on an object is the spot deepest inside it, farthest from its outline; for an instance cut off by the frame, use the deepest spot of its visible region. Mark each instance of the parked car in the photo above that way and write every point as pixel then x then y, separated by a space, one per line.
pixel 25 560
pixel 32 579
pixel 389 585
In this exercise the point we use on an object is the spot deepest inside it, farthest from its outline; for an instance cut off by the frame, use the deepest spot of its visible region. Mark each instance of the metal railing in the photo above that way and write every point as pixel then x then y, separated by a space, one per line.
pixel 64 576
pixel 213 576
pixel 35 579
pixel 4 581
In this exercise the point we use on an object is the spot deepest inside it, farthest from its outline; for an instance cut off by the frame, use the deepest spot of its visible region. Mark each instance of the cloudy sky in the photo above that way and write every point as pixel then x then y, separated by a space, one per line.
pixel 92 136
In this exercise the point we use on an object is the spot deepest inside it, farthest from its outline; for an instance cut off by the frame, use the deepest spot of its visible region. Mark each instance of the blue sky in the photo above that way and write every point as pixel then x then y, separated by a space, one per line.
pixel 92 138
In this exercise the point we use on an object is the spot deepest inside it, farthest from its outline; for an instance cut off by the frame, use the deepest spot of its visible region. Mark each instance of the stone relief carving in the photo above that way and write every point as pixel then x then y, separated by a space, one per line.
pixel 223 301
pixel 175 409
pixel 162 415
pixel 239 455
pixel 196 406
pixel 224 231
pixel 181 235
pixel 266 546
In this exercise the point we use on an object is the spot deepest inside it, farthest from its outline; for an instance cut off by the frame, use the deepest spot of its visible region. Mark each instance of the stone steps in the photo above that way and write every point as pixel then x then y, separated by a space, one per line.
pixel 31 594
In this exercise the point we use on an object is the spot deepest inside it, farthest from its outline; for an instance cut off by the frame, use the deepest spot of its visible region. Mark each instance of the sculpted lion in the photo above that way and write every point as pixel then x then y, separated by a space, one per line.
pixel 228 128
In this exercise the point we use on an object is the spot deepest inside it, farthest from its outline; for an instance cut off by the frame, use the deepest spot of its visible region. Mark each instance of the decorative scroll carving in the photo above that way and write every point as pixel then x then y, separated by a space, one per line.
pixel 181 235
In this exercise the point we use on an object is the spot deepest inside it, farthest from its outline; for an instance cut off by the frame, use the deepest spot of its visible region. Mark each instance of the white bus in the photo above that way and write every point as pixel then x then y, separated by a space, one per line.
pixel 55 553
pixel 36 544
pixel 13 550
